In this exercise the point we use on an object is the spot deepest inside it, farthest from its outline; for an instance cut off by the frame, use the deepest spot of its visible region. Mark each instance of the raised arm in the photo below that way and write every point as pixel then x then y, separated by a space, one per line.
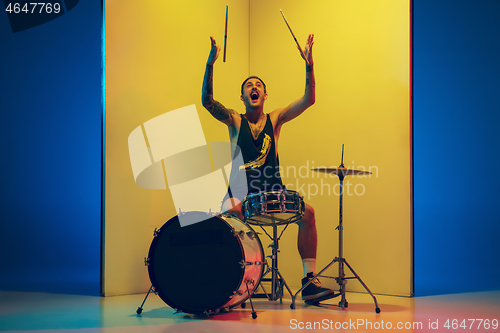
pixel 297 107
pixel 217 110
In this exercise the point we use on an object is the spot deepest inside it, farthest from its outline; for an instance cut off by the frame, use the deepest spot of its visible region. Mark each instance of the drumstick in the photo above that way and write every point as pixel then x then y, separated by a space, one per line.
pixel 225 37
pixel 295 39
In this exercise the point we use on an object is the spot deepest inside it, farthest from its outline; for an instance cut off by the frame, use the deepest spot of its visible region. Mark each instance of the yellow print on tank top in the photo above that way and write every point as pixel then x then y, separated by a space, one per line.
pixel 261 159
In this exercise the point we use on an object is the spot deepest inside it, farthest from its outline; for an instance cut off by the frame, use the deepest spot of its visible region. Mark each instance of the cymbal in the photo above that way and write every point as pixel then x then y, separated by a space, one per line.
pixel 342 171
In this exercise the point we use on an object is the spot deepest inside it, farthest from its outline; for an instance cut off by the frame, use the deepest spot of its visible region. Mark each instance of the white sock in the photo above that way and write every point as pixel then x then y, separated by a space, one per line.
pixel 309 265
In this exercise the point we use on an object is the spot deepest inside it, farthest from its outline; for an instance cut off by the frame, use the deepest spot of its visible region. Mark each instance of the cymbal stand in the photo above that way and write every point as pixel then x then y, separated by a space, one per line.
pixel 341 279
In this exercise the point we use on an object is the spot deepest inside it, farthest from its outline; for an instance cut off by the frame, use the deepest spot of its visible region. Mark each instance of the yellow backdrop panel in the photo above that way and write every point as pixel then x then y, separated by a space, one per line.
pixel 362 65
pixel 156 53
pixel 155 61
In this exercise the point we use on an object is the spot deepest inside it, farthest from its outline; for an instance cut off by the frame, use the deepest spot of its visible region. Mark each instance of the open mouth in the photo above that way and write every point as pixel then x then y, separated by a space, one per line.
pixel 254 96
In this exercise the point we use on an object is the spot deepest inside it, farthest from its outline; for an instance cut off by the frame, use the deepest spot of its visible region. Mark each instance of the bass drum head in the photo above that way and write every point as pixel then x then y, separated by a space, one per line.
pixel 195 268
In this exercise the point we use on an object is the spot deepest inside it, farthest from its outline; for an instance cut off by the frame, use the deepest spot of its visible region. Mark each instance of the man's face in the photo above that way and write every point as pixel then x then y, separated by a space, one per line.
pixel 253 93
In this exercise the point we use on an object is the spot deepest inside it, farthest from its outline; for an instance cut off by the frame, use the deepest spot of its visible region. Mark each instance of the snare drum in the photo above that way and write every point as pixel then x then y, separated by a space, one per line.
pixel 205 266
pixel 279 207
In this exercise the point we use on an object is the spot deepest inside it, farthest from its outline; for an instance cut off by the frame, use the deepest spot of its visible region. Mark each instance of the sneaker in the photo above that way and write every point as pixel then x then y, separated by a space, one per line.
pixel 315 292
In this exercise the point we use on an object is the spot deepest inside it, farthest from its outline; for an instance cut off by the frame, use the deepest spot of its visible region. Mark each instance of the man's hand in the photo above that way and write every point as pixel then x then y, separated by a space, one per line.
pixel 217 110
pixel 214 52
pixel 308 50
pixel 297 107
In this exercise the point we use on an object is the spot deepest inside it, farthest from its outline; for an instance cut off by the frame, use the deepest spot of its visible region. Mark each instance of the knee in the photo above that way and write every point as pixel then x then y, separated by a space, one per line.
pixel 309 211
pixel 308 220
pixel 235 212
pixel 232 206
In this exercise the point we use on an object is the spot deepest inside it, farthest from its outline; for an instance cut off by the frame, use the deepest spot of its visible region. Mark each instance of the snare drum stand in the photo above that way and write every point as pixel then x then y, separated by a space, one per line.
pixel 341 172
pixel 276 291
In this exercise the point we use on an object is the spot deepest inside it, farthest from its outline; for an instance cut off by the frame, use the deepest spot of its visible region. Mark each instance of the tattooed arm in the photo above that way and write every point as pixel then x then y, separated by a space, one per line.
pixel 217 110
pixel 297 107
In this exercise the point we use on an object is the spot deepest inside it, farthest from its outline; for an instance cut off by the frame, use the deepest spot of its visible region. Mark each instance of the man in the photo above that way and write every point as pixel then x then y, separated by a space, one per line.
pixel 256 135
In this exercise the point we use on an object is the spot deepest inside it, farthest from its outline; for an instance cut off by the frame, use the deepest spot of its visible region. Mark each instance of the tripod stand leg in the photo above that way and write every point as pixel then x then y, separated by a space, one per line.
pixel 292 306
pixel 341 281
pixel 274 264
pixel 283 282
pixel 254 314
pixel 377 309
pixel 139 309
pixel 262 285
pixel 274 277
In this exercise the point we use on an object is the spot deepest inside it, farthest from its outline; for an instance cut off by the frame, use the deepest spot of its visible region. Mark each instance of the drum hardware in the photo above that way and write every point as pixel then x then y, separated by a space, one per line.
pixel 146 261
pixel 210 213
pixel 253 234
pixel 247 281
pixel 277 280
pixel 341 172
pixel 250 281
pixel 245 263
pixel 179 270
pixel 266 218
pixel 151 289
pixel 240 234
pixel 273 208
pixel 250 263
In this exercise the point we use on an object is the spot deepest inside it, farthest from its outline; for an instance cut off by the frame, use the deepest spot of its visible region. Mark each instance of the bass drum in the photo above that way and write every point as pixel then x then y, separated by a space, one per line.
pixel 207 265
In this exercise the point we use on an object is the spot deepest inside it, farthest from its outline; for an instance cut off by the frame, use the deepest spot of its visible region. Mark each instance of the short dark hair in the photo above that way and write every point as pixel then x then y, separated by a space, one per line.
pixel 252 77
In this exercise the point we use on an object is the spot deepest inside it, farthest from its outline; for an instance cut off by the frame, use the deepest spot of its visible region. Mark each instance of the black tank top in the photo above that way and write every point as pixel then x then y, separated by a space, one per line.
pixel 260 158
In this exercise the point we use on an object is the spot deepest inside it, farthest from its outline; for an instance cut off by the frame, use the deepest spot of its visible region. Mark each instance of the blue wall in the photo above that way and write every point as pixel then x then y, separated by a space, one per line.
pixel 50 139
pixel 457 145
